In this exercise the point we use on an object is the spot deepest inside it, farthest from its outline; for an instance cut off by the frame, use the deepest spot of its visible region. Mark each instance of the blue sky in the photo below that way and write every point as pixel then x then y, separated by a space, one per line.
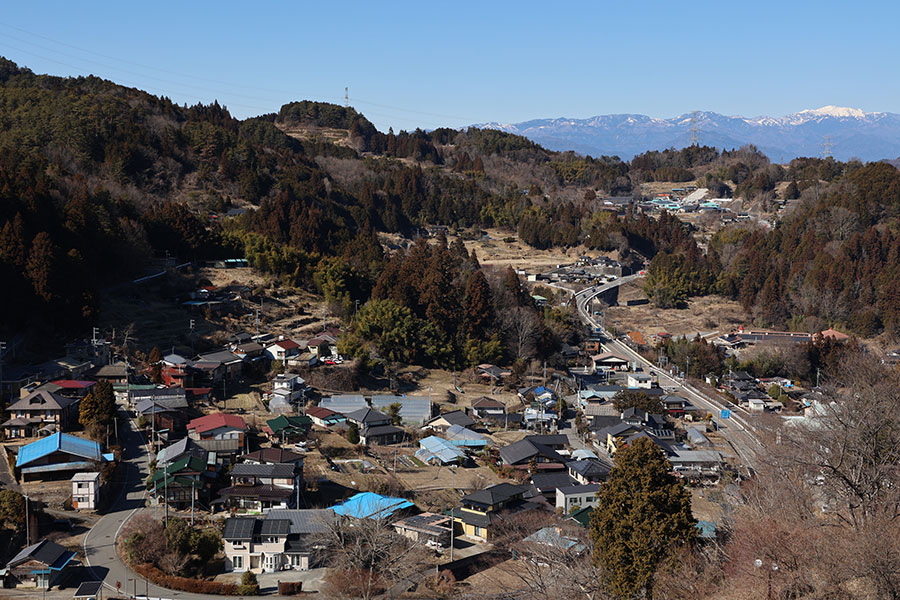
pixel 429 64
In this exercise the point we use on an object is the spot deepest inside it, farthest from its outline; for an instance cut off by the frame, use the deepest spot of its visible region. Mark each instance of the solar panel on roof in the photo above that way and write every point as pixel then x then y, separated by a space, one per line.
pixel 88 589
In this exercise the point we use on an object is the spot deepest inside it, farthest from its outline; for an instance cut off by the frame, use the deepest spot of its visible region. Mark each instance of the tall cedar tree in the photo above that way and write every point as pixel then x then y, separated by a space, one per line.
pixel 643 513
pixel 90 412
pixel 41 266
pixel 478 316
pixel 106 400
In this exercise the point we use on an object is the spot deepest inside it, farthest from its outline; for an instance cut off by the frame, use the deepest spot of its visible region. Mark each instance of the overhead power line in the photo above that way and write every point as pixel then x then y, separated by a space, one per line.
pixel 288 95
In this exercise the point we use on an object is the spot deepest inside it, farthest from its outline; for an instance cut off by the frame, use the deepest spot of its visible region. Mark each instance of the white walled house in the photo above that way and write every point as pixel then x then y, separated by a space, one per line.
pixel 284 540
pixel 256 545
pixel 283 350
pixel 85 491
pixel 577 496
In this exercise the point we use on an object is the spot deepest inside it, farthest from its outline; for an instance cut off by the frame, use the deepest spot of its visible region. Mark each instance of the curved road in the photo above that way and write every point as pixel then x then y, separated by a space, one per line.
pixel 99 543
pixel 739 433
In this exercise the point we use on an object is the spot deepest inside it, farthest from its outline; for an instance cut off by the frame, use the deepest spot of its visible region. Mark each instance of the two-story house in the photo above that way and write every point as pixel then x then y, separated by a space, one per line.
pixel 480 510
pixel 258 488
pixel 282 350
pixel 486 407
pixel 255 545
pixel 288 387
pixel 85 490
pixel 217 426
pixel 182 482
pixel 284 539
pixel 40 411
pixel 575 497
pixel 374 427
pixel 588 470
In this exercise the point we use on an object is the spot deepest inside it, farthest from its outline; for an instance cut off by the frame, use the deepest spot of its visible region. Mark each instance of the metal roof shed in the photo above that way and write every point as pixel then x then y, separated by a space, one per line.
pixel 462 436
pixel 344 403
pixel 414 410
pixel 435 449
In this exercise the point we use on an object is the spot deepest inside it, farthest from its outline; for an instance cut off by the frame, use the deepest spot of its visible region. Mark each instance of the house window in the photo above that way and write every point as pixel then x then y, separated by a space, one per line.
pixel 479 531
pixel 296 560
pixel 237 544
pixel 237 562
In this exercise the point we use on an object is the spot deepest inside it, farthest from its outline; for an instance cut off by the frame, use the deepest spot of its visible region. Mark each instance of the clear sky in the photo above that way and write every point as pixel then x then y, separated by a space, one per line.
pixel 431 64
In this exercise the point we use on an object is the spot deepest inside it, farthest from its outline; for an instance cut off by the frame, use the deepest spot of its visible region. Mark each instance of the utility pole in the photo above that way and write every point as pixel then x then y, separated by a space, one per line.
pixel 27 524
pixel 191 334
pixel 166 490
pixel 2 352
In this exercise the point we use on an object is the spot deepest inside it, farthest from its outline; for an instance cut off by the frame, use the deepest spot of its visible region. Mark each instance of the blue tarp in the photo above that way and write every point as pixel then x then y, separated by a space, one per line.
pixel 434 447
pixel 369 505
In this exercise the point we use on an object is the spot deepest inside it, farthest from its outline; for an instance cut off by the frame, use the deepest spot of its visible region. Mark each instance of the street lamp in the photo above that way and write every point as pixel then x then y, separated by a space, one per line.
pixel 758 563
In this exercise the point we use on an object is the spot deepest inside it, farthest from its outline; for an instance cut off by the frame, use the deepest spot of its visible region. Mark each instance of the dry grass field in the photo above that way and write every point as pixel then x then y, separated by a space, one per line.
pixel 706 314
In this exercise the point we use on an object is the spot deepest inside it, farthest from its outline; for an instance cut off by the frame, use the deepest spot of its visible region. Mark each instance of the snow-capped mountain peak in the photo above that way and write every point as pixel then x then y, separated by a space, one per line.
pixel 835 111
pixel 851 132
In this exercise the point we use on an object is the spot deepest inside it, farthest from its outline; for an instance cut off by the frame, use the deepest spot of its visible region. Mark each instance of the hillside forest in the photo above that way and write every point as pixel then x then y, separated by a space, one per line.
pixel 98 182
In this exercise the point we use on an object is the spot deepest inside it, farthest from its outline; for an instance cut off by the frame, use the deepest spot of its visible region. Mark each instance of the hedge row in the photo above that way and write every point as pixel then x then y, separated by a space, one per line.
pixel 184 584
pixel 290 588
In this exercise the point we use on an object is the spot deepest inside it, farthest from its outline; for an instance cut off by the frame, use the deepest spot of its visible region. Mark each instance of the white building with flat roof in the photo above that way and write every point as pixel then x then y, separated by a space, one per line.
pixel 85 491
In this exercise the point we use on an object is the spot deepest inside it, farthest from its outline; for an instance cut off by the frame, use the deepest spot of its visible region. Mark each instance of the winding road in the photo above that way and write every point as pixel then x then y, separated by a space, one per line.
pixel 100 542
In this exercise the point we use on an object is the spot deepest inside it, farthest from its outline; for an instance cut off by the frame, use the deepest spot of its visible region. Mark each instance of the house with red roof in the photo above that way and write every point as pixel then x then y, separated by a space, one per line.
pixel 283 349
pixel 324 417
pixel 73 388
pixel 217 426
pixel 832 334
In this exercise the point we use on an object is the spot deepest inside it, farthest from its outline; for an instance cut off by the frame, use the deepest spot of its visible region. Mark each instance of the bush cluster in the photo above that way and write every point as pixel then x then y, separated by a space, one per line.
pixel 184 584
pixel 290 588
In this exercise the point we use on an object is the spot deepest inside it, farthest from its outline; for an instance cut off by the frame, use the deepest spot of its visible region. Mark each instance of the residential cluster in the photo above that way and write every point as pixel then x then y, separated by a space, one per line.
pixel 260 473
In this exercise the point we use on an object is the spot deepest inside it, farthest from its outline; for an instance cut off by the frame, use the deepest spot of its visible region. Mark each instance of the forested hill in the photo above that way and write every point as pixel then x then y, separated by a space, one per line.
pixel 97 179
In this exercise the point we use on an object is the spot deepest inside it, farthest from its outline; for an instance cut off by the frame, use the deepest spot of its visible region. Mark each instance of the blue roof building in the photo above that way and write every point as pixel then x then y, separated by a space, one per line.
pixel 438 450
pixel 369 505
pixel 462 436
pixel 59 452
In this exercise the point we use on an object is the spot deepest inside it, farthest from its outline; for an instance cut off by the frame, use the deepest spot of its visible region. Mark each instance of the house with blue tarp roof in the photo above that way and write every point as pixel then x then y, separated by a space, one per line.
pixel 438 450
pixel 369 505
pixel 462 436
pixel 59 455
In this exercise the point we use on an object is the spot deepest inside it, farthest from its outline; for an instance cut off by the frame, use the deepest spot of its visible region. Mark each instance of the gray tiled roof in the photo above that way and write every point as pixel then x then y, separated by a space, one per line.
pixel 310 520
pixel 41 400
pixel 277 470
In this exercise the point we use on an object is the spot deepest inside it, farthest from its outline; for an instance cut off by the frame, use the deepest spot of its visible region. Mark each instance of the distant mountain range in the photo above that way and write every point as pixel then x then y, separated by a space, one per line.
pixel 844 132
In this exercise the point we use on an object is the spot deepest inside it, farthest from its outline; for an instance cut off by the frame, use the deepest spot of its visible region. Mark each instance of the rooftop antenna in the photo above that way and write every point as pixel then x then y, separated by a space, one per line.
pixel 827 146
pixel 346 97
pixel 695 131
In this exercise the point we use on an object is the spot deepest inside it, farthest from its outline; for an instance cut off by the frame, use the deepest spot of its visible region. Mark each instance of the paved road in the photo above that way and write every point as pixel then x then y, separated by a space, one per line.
pixel 736 430
pixel 99 543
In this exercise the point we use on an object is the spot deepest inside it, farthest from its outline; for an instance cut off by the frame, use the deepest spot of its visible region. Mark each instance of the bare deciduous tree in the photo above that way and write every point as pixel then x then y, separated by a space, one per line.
pixel 521 326
pixel 367 557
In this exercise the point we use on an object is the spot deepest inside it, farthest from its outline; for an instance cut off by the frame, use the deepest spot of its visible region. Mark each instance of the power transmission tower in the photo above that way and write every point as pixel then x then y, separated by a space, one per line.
pixel 346 97
pixel 695 130
pixel 826 146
